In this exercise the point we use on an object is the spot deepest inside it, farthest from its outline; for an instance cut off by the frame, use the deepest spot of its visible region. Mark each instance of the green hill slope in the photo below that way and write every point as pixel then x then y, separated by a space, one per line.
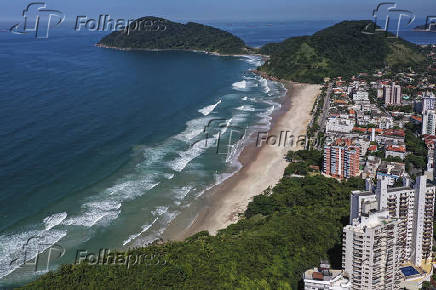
pixel 341 49
pixel 159 33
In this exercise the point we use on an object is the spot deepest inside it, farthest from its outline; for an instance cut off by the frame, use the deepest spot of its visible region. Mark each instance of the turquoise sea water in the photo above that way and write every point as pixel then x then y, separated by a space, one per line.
pixel 102 148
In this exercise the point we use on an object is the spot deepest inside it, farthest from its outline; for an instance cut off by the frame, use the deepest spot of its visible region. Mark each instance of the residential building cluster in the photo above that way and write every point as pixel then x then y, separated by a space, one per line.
pixel 367 129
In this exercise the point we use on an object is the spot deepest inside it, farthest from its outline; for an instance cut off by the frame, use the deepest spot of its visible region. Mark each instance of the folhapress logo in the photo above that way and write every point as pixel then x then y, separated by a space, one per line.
pixel 389 18
pixel 38 19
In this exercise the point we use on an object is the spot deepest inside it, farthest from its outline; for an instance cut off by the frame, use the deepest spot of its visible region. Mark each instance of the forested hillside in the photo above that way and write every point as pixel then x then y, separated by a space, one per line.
pixel 339 50
pixel 159 33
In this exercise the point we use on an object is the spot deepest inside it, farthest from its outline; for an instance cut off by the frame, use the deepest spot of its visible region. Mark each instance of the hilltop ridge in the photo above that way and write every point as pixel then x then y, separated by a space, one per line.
pixel 342 49
pixel 154 33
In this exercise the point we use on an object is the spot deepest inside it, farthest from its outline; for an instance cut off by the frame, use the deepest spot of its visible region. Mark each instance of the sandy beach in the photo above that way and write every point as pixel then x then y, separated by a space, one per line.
pixel 263 166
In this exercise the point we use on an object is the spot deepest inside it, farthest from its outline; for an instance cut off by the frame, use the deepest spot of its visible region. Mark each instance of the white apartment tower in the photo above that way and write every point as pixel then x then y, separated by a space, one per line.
pixel 428 102
pixel 371 252
pixel 423 222
pixel 400 202
pixel 388 228
pixel 414 207
pixel 392 95
pixel 429 122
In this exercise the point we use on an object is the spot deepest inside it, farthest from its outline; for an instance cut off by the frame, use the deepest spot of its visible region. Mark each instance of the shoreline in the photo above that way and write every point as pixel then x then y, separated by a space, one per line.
pixel 264 57
pixel 222 205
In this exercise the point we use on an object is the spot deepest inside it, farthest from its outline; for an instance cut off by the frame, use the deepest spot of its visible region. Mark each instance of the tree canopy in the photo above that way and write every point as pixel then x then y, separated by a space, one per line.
pixel 339 50
pixel 158 33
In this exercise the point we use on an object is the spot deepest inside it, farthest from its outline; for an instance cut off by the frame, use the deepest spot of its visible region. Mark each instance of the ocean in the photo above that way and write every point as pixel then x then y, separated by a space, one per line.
pixel 102 148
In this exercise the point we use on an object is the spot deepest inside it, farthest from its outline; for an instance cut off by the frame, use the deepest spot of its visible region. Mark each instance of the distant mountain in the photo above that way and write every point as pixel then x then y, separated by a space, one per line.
pixel 158 33
pixel 341 49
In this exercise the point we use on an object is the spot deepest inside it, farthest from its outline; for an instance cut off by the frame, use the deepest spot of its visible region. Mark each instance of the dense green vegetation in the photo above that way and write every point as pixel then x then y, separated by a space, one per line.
pixel 158 33
pixel 340 50
pixel 285 231
pixel 417 157
pixel 303 162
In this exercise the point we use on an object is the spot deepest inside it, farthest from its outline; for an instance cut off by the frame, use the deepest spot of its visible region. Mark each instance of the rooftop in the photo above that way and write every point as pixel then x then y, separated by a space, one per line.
pixel 409 271
pixel 396 148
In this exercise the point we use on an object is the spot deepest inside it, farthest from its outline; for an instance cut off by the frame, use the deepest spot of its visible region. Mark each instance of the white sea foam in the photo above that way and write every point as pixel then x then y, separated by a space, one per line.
pixel 168 175
pixel 209 109
pixel 265 85
pixel 160 210
pixel 244 85
pixel 224 129
pixel 95 212
pixel 239 118
pixel 143 230
pixel 254 60
pixel 266 116
pixel 196 149
pixel 187 156
pixel 163 216
pixel 54 220
pixel 164 221
pixel 153 155
pixel 133 188
pixel 240 85
pixel 272 103
pixel 249 77
pixel 193 129
pixel 246 108
pixel 17 248
pixel 245 98
pixel 182 192
pixel 220 178
pixel 236 150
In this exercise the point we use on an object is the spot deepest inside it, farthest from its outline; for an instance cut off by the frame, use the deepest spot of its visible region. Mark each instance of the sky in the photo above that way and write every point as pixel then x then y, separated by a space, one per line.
pixel 222 10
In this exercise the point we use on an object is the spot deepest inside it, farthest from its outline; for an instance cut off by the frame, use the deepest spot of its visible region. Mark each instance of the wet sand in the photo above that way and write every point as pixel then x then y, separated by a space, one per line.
pixel 263 166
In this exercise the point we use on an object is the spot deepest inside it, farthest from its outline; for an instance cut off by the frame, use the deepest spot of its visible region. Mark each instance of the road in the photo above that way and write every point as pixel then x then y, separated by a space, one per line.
pixel 325 109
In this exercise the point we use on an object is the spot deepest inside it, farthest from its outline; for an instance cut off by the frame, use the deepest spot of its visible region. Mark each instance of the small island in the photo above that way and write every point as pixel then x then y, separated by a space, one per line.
pixel 154 33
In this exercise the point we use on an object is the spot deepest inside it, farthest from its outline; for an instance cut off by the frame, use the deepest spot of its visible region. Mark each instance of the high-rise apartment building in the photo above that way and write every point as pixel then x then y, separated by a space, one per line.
pixel 390 228
pixel 341 160
pixel 429 122
pixel 392 95
pixel 428 102
pixel 371 251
